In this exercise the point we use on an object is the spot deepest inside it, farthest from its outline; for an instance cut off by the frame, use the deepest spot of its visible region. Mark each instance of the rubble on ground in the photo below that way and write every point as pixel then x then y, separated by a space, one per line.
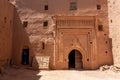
pixel 111 68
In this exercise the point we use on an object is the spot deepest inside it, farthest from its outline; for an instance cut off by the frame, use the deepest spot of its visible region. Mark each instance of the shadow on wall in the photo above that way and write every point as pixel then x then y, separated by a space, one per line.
pixel 22 49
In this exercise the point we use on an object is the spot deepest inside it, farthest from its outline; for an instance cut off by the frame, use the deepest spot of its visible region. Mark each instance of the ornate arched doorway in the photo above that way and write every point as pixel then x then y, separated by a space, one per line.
pixel 75 60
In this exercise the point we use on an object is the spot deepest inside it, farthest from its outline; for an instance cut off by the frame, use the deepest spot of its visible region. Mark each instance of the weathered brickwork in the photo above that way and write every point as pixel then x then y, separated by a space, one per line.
pixel 6 26
pixel 71 33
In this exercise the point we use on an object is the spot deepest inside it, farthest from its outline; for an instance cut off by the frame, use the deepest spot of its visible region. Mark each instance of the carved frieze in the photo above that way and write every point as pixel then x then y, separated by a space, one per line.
pixel 75 22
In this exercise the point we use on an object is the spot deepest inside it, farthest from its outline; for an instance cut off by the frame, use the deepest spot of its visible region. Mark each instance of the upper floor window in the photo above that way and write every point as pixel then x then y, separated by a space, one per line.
pixel 73 6
pixel 46 7
pixel 25 23
pixel 45 24
pixel 98 7
pixel 100 27
pixel 43 45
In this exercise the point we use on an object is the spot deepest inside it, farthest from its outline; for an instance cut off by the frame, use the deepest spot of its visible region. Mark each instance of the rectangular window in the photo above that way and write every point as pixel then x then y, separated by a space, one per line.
pixel 25 23
pixel 43 45
pixel 46 7
pixel 98 7
pixel 100 27
pixel 73 6
pixel 45 24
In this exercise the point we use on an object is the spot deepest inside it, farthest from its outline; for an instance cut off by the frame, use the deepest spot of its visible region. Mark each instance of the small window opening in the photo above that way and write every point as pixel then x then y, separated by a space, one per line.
pixel 87 59
pixel 46 7
pixel 73 6
pixel 106 52
pixel 45 24
pixel 106 42
pixel 100 27
pixel 25 23
pixel 98 7
pixel 90 42
pixel 43 45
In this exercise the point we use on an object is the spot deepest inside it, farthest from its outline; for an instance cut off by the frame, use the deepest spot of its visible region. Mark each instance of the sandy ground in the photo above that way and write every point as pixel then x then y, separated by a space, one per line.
pixel 25 74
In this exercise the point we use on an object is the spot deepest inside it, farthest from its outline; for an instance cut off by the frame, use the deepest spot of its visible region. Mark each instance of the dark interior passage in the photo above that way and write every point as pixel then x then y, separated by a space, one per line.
pixel 25 57
pixel 75 60
pixel 72 59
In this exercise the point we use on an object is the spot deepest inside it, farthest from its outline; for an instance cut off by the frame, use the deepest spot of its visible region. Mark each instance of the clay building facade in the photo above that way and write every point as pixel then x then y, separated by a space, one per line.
pixel 6 26
pixel 61 34
pixel 72 33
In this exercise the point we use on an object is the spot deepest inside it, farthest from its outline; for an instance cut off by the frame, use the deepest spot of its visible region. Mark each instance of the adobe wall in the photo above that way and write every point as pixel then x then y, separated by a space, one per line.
pixel 114 23
pixel 6 26
pixel 35 34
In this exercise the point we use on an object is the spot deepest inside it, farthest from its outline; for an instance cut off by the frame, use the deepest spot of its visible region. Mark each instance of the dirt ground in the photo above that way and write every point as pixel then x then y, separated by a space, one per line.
pixel 27 74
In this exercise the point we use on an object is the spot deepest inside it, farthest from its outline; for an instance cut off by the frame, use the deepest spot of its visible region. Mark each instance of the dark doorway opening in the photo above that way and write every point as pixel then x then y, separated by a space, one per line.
pixel 25 56
pixel 72 59
pixel 75 60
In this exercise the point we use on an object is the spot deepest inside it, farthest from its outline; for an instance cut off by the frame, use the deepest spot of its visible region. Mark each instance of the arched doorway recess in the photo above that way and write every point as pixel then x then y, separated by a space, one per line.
pixel 75 60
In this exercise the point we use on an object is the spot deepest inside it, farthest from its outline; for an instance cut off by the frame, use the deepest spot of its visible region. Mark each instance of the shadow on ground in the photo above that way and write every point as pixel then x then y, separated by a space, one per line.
pixel 20 74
